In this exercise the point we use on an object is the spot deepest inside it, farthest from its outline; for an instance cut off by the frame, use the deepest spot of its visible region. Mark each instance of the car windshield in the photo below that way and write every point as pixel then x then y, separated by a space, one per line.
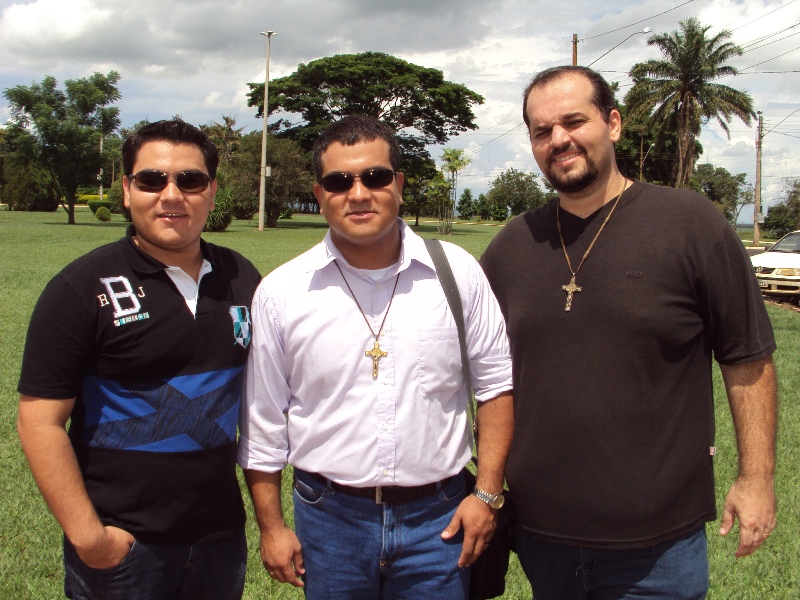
pixel 789 244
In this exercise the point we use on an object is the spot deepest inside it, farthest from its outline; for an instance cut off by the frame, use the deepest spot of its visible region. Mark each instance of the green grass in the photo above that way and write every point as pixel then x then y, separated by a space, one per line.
pixel 33 247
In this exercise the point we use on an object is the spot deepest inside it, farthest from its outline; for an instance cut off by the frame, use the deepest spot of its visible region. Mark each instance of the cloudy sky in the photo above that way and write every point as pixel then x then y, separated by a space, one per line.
pixel 194 58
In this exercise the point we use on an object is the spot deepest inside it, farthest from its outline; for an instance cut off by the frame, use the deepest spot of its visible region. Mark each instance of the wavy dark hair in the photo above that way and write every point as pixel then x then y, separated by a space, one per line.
pixel 176 131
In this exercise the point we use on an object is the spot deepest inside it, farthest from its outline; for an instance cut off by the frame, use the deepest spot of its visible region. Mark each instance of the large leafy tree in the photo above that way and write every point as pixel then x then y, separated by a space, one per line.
pixel 466 205
pixel 785 216
pixel 516 192
pixel 290 180
pixel 60 131
pixel 729 193
pixel 679 92
pixel 415 101
pixel 401 94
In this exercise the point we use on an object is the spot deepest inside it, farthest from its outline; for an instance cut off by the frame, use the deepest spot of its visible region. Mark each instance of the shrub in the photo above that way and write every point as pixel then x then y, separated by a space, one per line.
pixel 221 216
pixel 86 198
pixel 103 214
pixel 95 203
pixel 117 200
pixel 29 188
pixel 86 190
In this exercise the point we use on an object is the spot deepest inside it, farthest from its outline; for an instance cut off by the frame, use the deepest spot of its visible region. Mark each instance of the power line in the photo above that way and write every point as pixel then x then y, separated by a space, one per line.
pixel 773 41
pixel 764 15
pixel 637 22
pixel 768 60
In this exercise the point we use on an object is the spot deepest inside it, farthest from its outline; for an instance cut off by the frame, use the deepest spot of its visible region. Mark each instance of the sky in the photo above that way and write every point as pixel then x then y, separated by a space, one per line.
pixel 194 58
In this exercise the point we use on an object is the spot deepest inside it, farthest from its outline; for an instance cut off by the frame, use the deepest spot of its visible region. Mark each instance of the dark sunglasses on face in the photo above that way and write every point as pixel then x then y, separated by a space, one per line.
pixel 372 179
pixel 189 182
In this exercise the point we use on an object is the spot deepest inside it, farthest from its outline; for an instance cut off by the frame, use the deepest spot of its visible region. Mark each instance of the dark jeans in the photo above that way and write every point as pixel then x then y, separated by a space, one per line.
pixel 672 570
pixel 355 549
pixel 213 570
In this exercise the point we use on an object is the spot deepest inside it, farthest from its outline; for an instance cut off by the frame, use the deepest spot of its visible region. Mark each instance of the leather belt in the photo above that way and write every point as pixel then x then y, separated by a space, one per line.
pixel 385 494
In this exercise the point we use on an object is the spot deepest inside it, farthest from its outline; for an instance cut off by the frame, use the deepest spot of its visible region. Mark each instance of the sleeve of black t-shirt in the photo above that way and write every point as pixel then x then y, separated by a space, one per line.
pixel 58 344
pixel 733 308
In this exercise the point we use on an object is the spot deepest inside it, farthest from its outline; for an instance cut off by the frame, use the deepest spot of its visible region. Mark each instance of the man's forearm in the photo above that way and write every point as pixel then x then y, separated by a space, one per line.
pixel 55 468
pixel 495 428
pixel 752 395
pixel 265 490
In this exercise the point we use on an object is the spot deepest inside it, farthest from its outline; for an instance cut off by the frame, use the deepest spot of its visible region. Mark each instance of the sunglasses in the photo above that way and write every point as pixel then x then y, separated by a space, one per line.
pixel 189 182
pixel 372 179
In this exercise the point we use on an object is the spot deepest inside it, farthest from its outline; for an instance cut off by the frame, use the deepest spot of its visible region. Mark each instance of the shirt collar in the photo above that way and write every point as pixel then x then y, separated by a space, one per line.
pixel 142 262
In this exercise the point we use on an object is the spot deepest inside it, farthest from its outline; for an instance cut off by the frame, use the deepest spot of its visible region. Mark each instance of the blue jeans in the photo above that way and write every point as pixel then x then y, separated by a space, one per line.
pixel 672 570
pixel 355 548
pixel 213 570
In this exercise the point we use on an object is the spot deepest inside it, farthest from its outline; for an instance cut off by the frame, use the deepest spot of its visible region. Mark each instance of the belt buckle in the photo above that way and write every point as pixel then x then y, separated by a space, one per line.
pixel 378 495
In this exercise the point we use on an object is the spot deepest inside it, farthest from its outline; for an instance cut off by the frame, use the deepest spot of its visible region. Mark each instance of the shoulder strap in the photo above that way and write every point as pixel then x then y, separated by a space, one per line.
pixel 445 274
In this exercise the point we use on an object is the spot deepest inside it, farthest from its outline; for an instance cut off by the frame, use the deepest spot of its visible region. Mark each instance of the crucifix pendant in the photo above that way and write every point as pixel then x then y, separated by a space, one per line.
pixel 570 289
pixel 375 354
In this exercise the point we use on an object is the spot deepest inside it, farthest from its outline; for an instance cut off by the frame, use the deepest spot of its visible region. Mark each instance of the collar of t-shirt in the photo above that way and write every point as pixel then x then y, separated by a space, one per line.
pixel 186 285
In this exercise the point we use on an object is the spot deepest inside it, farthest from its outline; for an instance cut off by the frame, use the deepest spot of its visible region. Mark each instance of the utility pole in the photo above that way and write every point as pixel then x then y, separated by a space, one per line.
pixel 757 216
pixel 100 177
pixel 265 170
pixel 574 49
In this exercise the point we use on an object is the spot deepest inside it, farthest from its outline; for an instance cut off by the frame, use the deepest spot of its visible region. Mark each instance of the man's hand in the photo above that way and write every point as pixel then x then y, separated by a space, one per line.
pixel 479 522
pixel 752 501
pixel 107 551
pixel 282 555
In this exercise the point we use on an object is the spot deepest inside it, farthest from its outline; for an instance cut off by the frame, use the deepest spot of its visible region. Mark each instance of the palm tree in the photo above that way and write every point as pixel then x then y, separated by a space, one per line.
pixel 454 161
pixel 679 94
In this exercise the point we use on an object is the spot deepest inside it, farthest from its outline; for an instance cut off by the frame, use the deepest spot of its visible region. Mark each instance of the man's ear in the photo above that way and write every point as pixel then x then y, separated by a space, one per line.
pixel 615 125
pixel 319 194
pixel 126 191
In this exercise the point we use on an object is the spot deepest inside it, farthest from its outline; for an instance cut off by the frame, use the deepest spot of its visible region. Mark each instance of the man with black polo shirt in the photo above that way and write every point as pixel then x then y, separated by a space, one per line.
pixel 617 295
pixel 141 344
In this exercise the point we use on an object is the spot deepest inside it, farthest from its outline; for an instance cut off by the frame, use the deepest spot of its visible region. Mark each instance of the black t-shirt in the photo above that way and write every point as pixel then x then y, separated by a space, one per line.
pixel 613 400
pixel 157 388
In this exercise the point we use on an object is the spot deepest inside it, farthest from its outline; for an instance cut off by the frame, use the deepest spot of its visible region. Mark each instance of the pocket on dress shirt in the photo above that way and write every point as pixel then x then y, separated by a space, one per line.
pixel 439 363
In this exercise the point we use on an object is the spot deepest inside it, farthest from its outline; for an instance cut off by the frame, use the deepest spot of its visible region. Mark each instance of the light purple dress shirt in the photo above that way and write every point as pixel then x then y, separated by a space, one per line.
pixel 309 396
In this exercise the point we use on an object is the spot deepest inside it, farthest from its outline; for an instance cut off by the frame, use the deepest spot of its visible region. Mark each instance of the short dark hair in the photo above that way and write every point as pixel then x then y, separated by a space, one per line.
pixel 602 97
pixel 176 131
pixel 352 130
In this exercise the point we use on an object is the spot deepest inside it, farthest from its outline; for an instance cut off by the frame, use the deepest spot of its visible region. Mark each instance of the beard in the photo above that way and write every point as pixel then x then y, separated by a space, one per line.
pixel 576 181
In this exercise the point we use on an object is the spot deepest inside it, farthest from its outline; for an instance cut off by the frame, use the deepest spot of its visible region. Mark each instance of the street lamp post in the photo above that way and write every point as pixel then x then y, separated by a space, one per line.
pixel 263 191
pixel 645 30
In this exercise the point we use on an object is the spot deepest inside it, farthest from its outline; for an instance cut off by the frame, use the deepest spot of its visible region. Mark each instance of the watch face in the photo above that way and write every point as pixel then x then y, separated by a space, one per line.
pixel 498 501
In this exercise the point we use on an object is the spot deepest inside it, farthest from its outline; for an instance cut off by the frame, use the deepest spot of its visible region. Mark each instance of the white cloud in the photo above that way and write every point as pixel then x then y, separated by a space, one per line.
pixel 196 58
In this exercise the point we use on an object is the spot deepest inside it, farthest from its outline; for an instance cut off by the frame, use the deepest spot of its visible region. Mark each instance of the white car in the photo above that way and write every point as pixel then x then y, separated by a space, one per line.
pixel 778 269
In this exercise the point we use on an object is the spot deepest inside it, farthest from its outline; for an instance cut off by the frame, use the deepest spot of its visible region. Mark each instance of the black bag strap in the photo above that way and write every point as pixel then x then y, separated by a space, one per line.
pixel 448 282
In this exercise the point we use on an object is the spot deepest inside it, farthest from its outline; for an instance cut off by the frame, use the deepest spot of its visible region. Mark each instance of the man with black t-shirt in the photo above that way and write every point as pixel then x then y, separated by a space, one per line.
pixel 617 295
pixel 141 345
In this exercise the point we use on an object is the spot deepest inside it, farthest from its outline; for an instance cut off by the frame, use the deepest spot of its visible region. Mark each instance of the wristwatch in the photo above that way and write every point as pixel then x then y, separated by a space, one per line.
pixel 493 500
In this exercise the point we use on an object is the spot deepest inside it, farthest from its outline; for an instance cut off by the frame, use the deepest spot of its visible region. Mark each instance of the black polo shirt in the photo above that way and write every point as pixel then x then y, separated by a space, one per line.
pixel 157 388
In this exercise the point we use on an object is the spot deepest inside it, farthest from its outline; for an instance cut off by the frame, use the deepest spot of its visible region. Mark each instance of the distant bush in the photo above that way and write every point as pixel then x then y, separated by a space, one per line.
pixel 29 188
pixel 95 203
pixel 87 190
pixel 117 200
pixel 103 214
pixel 221 216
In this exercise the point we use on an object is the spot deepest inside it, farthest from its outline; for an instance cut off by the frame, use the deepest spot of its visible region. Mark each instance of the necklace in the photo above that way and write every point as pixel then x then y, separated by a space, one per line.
pixel 571 288
pixel 375 353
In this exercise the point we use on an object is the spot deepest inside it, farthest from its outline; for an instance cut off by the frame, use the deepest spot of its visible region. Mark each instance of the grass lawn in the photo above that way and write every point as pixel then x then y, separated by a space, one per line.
pixel 34 247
